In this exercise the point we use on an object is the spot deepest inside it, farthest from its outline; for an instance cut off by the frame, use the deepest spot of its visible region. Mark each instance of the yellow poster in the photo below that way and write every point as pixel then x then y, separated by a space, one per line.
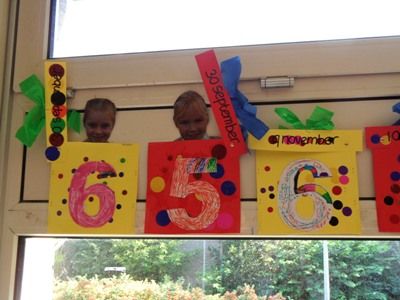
pixel 307 182
pixel 93 189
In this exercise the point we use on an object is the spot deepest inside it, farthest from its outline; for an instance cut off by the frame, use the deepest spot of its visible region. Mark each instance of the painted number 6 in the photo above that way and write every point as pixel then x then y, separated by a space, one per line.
pixel 290 193
pixel 78 194
pixel 205 192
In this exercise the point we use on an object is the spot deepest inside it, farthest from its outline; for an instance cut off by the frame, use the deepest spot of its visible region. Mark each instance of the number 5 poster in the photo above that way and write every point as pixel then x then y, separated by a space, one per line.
pixel 192 187
pixel 307 182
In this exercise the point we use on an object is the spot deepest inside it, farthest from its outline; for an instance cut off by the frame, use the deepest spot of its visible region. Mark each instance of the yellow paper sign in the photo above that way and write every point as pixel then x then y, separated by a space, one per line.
pixel 307 192
pixel 93 189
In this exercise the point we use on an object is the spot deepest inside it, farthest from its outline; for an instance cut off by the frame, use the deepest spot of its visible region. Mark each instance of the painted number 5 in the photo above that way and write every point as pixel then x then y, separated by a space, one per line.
pixel 290 193
pixel 204 191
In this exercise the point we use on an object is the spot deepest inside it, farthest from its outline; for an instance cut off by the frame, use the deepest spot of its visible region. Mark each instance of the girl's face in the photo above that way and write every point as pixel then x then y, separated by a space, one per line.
pixel 192 123
pixel 99 125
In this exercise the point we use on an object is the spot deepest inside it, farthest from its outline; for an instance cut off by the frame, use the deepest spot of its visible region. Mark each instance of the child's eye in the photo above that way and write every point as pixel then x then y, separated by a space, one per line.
pixel 184 122
pixel 105 125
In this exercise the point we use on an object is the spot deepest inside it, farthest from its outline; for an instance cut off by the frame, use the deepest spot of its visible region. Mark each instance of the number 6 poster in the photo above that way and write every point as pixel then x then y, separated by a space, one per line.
pixel 192 187
pixel 307 182
pixel 93 186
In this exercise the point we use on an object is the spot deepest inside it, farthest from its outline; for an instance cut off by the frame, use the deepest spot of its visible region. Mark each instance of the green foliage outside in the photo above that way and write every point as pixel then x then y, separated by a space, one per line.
pixel 125 288
pixel 143 259
pixel 358 269
pixel 294 268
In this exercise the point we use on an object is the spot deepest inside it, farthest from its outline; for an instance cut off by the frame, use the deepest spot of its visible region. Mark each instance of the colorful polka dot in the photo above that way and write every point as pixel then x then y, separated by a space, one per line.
pixel 385 140
pixel 267 168
pixel 375 139
pixel 52 153
pixel 347 211
pixel 56 139
pixel 271 196
pixel 157 184
pixel 58 98
pixel 344 179
pixel 273 139
pixel 388 200
pixel 263 190
pixel 56 70
pixel 271 188
pixel 220 172
pixel 395 175
pixel 118 206
pixel 122 160
pixel 219 151
pixel 124 192
pixel 162 218
pixel 337 204
pixel 336 190
pixel 59 111
pixel 224 221
pixel 395 188
pixel 270 209
pixel 334 221
pixel 228 188
pixel 343 170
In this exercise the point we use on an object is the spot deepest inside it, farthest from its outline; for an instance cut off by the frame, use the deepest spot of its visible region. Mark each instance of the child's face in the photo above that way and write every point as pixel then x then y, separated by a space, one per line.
pixel 192 123
pixel 99 125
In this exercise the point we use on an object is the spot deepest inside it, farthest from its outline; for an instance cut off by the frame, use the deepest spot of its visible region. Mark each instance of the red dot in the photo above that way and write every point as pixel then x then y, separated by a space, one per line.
pixel 270 209
pixel 60 176
pixel 267 168
pixel 337 190
pixel 124 192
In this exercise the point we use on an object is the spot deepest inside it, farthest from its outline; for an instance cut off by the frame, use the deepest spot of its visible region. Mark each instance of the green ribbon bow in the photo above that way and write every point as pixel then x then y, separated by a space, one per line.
pixel 34 120
pixel 320 119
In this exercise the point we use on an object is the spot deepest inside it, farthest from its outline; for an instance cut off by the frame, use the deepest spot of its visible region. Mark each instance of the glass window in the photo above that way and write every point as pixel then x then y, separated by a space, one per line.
pixel 93 27
pixel 209 269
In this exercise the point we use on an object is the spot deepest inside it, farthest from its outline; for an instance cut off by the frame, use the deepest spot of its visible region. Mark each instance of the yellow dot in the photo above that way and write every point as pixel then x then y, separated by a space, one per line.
pixel 198 197
pixel 385 140
pixel 157 184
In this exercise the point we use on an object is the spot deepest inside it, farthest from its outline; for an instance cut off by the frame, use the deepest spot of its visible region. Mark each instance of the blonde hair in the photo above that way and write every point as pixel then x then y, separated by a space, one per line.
pixel 188 99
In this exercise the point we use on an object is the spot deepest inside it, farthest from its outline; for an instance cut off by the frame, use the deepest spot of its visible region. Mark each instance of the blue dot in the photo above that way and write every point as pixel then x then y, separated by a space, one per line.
pixel 162 218
pixel 395 176
pixel 228 188
pixel 52 153
pixel 220 172
pixel 375 139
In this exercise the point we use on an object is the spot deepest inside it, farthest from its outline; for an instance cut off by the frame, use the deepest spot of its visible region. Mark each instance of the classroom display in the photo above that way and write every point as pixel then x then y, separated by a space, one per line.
pixel 93 186
pixel 193 187
pixel 307 181
pixel 384 144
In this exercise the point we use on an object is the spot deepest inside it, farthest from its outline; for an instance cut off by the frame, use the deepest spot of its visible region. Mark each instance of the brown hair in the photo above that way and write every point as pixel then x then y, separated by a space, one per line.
pixel 187 99
pixel 102 104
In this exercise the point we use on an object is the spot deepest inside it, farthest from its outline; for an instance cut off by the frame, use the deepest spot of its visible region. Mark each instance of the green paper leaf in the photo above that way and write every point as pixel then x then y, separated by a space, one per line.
pixel 74 120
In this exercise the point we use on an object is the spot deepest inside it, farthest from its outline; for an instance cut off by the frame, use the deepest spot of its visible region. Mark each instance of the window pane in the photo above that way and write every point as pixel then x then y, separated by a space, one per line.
pixel 93 27
pixel 209 269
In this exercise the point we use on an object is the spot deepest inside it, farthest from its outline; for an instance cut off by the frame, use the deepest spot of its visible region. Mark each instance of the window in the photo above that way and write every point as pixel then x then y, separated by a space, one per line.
pixel 90 27
pixel 296 269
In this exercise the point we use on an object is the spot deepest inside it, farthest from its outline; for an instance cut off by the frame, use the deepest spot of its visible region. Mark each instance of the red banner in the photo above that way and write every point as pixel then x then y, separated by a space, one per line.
pixel 221 103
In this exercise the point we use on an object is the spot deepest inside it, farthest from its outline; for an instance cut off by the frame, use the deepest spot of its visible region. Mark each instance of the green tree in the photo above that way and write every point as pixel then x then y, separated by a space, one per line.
pixel 358 269
pixel 142 258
